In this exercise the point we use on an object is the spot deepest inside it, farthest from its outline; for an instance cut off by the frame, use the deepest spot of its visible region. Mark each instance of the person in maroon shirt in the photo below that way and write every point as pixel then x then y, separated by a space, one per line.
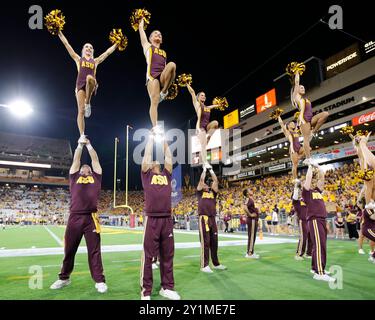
pixel 86 82
pixel 316 217
pixel 204 127
pixel 85 185
pixel 252 224
pixel 305 240
pixel 368 228
pixel 308 123
pixel 158 239
pixel 160 74
pixel 208 234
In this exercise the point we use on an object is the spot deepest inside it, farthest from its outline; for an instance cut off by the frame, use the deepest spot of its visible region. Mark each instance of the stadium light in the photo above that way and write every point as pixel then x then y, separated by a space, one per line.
pixel 25 164
pixel 19 108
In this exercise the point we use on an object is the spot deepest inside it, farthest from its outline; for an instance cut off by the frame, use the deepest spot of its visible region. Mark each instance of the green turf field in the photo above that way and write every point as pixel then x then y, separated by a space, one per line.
pixel 275 276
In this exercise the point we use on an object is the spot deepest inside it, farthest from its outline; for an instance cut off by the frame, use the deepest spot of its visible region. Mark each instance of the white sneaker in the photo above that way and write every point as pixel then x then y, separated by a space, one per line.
pixel 324 277
pixel 145 298
pixel 58 284
pixel 154 266
pixel 169 294
pixel 370 206
pixel 325 272
pixel 307 161
pixel 298 258
pixel 371 259
pixel 82 139
pixel 101 287
pixel 361 251
pixel 162 96
pixel 253 256
pixel 220 267
pixel 207 269
pixel 306 256
pixel 87 110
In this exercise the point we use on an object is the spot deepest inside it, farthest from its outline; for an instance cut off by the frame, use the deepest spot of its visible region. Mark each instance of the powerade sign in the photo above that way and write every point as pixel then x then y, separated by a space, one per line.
pixel 343 60
pixel 247 112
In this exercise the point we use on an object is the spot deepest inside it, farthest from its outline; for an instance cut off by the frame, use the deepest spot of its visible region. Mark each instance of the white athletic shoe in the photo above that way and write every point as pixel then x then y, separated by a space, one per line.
pixel 220 267
pixel 82 139
pixel 87 110
pixel 253 256
pixel 206 269
pixel 325 272
pixel 298 258
pixel 371 259
pixel 169 294
pixel 101 287
pixel 307 161
pixel 361 251
pixel 324 277
pixel 162 96
pixel 58 284
pixel 306 256
pixel 154 266
pixel 370 206
pixel 145 298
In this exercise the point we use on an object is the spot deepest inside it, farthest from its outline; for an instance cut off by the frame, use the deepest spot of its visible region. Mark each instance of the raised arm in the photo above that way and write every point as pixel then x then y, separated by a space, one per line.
pixel 215 181
pixel 168 160
pixel 309 175
pixel 283 127
pixel 296 85
pixel 193 98
pixel 106 54
pixel 368 157
pixel 201 180
pixel 76 159
pixel 144 41
pixel 94 158
pixel 68 47
pixel 147 158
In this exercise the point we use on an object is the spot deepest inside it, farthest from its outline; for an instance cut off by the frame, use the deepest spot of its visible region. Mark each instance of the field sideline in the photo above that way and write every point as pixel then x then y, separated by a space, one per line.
pixel 275 276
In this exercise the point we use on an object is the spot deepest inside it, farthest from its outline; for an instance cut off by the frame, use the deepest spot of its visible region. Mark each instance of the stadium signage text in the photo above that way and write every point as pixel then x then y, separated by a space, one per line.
pixel 336 105
pixel 247 111
pixel 266 101
pixel 344 60
pixel 277 167
pixel 369 47
pixel 364 118
pixel 256 153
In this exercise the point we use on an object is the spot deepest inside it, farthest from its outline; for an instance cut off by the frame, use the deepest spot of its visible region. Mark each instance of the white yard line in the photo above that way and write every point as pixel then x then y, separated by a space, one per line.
pixel 131 247
pixel 57 239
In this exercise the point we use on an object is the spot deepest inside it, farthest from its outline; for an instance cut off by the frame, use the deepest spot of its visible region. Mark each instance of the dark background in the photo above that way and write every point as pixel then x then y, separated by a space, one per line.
pixel 219 43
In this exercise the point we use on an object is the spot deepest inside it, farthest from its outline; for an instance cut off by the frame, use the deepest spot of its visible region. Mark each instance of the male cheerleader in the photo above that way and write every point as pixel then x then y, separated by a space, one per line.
pixel 305 240
pixel 207 194
pixel 316 217
pixel 85 185
pixel 158 240
pixel 252 224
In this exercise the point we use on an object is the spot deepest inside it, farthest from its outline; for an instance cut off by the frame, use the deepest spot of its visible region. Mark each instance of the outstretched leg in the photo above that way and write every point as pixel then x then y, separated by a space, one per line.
pixel 90 87
pixel 167 76
pixel 318 120
pixel 153 88
pixel 81 111
pixel 203 141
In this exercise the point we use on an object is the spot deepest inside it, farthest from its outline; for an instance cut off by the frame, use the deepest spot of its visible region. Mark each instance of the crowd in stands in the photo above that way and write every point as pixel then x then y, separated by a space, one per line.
pixel 272 195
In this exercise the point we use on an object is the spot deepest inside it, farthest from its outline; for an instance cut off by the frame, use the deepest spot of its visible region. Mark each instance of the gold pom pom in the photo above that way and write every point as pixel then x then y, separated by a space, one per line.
pixel 296 115
pixel 347 130
pixel 172 92
pixel 54 21
pixel 365 175
pixel 184 79
pixel 295 67
pixel 361 133
pixel 137 16
pixel 117 37
pixel 221 103
pixel 276 113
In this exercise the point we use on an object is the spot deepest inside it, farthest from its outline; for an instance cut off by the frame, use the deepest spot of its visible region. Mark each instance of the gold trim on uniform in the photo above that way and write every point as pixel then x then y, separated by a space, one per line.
pixel 143 257
pixel 318 248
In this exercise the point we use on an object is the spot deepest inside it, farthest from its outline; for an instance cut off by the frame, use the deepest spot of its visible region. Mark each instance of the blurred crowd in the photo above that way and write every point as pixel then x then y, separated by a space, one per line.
pixel 272 196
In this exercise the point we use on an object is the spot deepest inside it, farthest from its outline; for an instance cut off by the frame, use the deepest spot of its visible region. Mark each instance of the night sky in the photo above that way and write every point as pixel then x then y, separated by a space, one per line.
pixel 217 42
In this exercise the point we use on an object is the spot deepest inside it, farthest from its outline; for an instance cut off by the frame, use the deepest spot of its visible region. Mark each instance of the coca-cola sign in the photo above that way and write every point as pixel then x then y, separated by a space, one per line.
pixel 364 118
